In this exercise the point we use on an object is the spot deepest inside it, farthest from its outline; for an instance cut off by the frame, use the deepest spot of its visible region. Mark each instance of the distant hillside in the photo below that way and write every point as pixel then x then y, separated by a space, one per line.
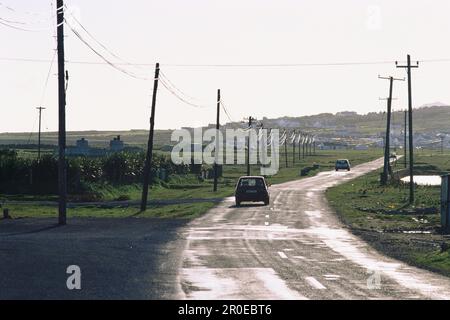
pixel 435 119
pixel 136 138
pixel 428 121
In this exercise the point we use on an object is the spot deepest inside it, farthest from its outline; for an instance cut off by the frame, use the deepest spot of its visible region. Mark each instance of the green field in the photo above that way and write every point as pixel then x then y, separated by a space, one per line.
pixel 383 216
pixel 186 187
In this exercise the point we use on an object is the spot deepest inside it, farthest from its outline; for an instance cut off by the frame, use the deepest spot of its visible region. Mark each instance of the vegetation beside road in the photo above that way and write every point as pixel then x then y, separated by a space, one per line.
pixel 383 216
pixel 183 186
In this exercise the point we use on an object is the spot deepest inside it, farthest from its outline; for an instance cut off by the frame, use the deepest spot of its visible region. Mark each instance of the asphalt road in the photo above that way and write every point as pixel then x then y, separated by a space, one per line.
pixel 131 258
pixel 295 248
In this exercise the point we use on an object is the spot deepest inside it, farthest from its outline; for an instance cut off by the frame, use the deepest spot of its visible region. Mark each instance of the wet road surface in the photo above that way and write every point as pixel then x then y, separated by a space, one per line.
pixel 295 248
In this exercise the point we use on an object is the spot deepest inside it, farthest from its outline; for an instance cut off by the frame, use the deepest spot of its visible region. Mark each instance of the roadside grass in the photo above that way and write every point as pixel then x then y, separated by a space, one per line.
pixel 383 216
pixel 436 261
pixel 186 187
pixel 175 211
pixel 364 204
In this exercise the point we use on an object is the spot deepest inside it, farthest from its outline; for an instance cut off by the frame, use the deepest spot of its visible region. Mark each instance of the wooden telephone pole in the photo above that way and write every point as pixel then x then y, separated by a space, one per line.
pixel 293 147
pixel 216 152
pixel 250 123
pixel 285 148
pixel 405 144
pixel 62 169
pixel 387 146
pixel 305 138
pixel 39 133
pixel 148 159
pixel 410 123
pixel 300 137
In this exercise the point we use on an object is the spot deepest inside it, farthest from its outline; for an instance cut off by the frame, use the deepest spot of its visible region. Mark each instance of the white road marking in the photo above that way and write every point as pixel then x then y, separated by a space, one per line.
pixel 276 199
pixel 314 283
pixel 267 216
pixel 332 277
pixel 266 223
pixel 282 255
pixel 236 283
pixel 338 259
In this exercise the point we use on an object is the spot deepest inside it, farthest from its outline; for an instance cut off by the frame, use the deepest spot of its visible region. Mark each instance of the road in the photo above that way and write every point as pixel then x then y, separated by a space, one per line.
pixel 130 258
pixel 295 248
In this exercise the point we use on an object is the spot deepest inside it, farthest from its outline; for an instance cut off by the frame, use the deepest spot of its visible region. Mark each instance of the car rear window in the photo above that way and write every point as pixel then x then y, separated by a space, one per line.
pixel 342 162
pixel 251 182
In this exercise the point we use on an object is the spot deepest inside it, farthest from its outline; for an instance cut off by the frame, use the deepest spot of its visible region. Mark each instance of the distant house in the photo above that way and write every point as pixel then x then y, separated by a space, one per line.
pixel 116 145
pixel 332 146
pixel 82 148
pixel 361 147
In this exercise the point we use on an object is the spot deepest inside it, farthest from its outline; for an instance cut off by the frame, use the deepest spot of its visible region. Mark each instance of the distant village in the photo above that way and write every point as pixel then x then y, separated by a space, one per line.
pixel 82 148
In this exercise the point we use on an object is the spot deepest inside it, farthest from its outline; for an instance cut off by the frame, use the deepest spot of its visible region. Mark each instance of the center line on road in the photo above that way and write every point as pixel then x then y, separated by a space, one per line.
pixel 314 283
pixel 282 255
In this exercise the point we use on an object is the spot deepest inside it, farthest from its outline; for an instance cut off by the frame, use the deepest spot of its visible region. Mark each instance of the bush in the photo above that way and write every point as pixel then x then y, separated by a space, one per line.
pixel 22 176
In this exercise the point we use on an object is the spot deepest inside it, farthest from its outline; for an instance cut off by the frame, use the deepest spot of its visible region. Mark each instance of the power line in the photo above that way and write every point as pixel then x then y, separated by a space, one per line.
pixel 113 65
pixel 8 25
pixel 96 40
pixel 283 65
pixel 168 81
pixel 225 109
pixel 29 13
pixel 48 77
pixel 143 64
pixel 178 93
pixel 11 21
pixel 175 94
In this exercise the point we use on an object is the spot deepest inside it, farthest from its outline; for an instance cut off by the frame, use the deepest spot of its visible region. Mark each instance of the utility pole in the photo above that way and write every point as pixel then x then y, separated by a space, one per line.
pixel 62 166
pixel 305 138
pixel 39 134
pixel 411 148
pixel 308 141
pixel 300 137
pixel 441 136
pixel 285 147
pixel 293 148
pixel 405 133
pixel 148 158
pixel 250 122
pixel 387 146
pixel 216 152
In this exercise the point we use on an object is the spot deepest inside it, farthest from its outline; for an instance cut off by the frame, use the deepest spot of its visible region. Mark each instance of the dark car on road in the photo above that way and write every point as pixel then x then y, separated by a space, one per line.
pixel 342 164
pixel 252 189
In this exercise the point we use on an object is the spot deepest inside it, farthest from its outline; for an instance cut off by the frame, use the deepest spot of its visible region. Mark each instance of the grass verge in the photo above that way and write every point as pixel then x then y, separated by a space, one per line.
pixel 383 217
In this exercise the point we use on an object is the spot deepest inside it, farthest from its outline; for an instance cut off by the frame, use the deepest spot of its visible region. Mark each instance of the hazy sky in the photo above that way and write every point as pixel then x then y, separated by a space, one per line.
pixel 220 32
